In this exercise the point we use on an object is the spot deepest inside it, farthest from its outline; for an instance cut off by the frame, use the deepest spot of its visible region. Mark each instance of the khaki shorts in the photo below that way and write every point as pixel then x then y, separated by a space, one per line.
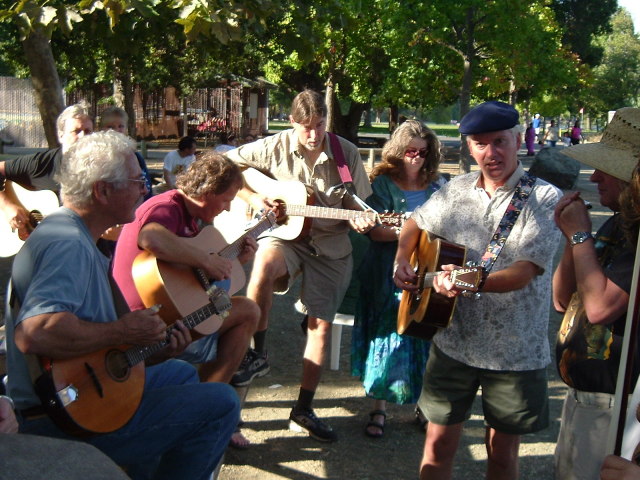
pixel 324 280
pixel 581 445
pixel 512 402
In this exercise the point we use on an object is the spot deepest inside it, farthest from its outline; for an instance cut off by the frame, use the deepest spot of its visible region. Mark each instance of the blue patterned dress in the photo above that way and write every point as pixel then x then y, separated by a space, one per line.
pixel 391 366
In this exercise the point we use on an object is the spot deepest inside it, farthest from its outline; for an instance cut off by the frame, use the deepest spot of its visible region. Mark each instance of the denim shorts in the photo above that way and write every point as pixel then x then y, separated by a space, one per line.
pixel 513 402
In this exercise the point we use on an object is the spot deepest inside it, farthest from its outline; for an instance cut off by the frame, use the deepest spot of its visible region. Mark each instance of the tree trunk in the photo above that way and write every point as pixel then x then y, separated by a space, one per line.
pixel 393 117
pixel 351 121
pixel 367 118
pixel 329 100
pixel 465 91
pixel 128 92
pixel 46 82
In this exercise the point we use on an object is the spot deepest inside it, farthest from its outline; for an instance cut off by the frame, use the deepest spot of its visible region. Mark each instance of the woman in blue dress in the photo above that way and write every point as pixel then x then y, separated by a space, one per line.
pixel 391 366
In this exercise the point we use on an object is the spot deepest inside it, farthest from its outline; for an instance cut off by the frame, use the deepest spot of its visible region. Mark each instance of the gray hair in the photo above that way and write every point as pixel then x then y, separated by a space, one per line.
pixel 113 111
pixel 101 156
pixel 78 110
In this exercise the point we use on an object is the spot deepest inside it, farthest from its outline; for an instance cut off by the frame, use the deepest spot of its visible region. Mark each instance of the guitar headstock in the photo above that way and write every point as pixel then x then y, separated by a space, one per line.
pixel 468 278
pixel 392 219
pixel 272 218
pixel 220 300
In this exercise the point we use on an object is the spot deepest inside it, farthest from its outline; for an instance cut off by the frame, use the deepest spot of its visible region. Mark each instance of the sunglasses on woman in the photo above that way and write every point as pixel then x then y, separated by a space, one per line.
pixel 414 152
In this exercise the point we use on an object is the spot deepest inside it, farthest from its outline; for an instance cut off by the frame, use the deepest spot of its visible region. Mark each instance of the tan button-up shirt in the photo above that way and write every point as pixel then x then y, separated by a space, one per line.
pixel 281 154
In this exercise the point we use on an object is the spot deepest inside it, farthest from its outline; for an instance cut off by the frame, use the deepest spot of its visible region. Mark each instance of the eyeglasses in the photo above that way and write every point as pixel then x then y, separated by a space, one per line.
pixel 414 152
pixel 141 181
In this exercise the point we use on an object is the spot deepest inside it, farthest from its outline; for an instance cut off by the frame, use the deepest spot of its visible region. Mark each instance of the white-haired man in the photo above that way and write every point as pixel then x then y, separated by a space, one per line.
pixel 65 306
pixel 35 172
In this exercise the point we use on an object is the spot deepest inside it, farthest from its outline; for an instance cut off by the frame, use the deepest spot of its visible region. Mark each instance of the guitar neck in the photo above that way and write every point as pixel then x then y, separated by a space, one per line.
pixel 232 250
pixel 136 355
pixel 428 279
pixel 327 212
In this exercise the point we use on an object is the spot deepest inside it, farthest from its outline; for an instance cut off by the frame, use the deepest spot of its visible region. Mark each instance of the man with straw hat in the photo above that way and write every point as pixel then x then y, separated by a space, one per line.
pixel 591 286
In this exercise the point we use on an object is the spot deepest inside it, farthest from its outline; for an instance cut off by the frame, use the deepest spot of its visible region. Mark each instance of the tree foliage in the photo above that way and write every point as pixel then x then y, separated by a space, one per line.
pixel 582 21
pixel 617 78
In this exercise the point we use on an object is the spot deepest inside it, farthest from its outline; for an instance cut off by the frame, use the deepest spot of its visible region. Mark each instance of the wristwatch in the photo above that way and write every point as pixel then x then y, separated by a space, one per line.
pixel 580 237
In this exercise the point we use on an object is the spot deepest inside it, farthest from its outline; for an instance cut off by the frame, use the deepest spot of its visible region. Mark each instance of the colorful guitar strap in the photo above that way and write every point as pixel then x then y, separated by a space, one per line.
pixel 518 201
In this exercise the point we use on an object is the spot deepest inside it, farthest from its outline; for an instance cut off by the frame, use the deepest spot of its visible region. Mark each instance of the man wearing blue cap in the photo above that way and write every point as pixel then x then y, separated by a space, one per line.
pixel 499 341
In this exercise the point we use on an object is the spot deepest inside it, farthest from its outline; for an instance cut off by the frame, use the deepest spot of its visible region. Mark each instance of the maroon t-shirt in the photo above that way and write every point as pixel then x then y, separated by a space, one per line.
pixel 167 209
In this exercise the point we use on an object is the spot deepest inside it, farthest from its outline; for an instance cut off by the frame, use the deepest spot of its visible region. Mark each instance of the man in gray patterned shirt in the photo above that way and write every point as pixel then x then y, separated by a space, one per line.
pixel 498 342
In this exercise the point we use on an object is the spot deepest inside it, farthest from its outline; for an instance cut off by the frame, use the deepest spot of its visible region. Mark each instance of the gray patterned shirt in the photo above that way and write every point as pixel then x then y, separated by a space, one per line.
pixel 499 331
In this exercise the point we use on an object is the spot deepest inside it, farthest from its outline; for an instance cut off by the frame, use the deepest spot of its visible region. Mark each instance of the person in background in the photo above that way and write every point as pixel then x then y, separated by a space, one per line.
pixel 227 142
pixel 591 285
pixel 530 139
pixel 177 161
pixel 390 365
pixel 536 125
pixel 35 171
pixel 552 135
pixel 576 133
pixel 116 119
pixel 498 342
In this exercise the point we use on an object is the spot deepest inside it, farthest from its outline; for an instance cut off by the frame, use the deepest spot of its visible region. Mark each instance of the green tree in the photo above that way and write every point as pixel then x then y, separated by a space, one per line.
pixel 582 21
pixel 617 79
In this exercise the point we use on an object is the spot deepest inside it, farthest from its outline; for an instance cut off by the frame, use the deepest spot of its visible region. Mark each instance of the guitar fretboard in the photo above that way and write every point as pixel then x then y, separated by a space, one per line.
pixel 232 250
pixel 326 212
pixel 136 355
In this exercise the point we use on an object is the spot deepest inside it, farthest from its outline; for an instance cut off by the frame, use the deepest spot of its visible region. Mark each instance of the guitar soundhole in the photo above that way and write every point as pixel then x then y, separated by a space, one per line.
pixel 117 366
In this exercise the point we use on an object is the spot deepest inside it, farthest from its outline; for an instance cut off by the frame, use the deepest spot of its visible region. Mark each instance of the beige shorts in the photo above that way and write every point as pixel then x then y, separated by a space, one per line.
pixel 581 445
pixel 324 280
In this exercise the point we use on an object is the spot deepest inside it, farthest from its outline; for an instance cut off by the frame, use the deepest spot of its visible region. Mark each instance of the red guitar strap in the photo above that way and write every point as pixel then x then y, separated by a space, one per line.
pixel 343 170
pixel 338 156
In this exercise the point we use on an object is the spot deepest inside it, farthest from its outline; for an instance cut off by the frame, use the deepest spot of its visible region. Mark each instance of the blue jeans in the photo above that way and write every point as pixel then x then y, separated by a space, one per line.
pixel 183 423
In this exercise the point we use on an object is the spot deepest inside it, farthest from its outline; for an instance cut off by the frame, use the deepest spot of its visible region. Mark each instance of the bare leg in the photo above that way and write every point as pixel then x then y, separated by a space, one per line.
pixel 318 333
pixel 234 336
pixel 502 451
pixel 238 440
pixel 268 266
pixel 440 447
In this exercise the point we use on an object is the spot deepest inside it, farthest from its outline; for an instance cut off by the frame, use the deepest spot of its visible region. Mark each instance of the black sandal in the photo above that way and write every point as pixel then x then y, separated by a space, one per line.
pixel 372 423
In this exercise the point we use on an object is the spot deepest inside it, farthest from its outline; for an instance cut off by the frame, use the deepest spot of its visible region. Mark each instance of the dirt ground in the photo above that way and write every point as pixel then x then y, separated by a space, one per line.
pixel 278 453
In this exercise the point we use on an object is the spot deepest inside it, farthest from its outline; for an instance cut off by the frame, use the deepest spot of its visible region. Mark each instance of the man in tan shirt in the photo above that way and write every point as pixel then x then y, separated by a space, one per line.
pixel 322 256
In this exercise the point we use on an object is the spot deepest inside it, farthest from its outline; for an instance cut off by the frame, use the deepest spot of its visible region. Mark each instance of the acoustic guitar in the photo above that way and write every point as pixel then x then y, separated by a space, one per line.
pixel 101 391
pixel 179 288
pixel 298 209
pixel 38 203
pixel 423 311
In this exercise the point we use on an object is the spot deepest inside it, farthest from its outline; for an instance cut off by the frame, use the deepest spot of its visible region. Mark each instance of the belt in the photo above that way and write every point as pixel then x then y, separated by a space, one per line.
pixel 32 413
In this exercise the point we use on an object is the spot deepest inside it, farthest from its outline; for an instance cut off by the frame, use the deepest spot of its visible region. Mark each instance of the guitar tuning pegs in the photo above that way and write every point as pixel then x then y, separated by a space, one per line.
pixel 471 264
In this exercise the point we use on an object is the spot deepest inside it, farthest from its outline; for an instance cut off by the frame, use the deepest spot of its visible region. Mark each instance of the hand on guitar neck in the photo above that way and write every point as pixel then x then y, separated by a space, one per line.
pixel 446 283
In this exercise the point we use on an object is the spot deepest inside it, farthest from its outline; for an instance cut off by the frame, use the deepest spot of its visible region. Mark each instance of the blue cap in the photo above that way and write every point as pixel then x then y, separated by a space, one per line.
pixel 489 117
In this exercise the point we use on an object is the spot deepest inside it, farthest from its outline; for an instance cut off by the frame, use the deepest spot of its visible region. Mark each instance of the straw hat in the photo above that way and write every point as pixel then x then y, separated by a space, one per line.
pixel 618 152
